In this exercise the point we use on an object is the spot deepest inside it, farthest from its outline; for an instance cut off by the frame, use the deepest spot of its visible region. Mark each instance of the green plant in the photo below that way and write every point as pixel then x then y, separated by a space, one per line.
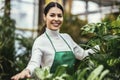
pixel 44 74
pixel 72 25
pixel 107 35
pixel 104 65
pixel 7 49
pixel 25 47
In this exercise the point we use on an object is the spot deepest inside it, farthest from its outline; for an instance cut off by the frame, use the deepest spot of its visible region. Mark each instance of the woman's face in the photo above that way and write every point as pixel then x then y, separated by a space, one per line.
pixel 54 18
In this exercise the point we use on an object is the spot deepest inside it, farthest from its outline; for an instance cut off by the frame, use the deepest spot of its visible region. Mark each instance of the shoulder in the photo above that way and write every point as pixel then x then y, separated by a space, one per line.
pixel 40 39
pixel 68 39
pixel 65 35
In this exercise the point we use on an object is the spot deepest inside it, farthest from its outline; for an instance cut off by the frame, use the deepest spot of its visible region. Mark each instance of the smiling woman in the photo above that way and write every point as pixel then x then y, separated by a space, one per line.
pixel 52 48
pixel 53 18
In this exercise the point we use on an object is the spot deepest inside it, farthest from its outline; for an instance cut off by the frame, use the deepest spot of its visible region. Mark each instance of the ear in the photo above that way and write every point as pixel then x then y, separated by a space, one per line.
pixel 44 17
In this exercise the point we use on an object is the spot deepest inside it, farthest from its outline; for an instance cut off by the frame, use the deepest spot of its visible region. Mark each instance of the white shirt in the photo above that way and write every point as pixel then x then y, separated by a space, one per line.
pixel 43 51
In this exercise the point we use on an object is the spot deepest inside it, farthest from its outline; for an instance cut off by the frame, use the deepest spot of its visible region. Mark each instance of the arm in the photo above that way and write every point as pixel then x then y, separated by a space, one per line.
pixel 79 52
pixel 35 60
pixel 33 63
pixel 23 74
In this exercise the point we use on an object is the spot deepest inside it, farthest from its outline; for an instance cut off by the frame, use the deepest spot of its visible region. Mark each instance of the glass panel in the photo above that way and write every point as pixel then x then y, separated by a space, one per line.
pixel 94 18
pixel 30 1
pixel 24 13
pixel 92 6
pixel 2 2
pixel 78 7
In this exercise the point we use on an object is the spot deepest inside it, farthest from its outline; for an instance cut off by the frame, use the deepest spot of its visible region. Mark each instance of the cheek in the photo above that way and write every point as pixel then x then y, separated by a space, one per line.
pixel 48 21
pixel 62 20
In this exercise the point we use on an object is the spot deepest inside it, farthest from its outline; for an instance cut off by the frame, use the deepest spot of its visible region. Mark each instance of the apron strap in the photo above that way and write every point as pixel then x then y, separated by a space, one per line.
pixel 62 38
pixel 66 42
pixel 50 41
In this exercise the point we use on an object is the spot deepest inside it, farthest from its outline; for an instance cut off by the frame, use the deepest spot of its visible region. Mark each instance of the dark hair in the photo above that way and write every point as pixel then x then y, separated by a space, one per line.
pixel 46 10
pixel 52 4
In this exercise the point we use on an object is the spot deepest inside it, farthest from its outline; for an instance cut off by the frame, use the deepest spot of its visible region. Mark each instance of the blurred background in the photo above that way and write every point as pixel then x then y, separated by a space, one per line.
pixel 22 20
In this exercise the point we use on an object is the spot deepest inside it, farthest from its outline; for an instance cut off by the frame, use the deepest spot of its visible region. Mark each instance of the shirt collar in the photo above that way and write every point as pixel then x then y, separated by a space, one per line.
pixel 52 33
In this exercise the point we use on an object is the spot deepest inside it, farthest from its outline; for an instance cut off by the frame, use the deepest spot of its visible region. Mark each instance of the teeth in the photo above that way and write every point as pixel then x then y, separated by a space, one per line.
pixel 56 24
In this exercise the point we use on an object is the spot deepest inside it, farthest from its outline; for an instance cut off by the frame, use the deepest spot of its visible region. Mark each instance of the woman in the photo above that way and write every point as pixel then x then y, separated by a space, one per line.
pixel 53 48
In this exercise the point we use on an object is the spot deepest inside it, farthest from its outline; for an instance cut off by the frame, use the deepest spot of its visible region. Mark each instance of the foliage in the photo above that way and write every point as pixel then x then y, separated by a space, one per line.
pixel 94 67
pixel 72 25
pixel 25 47
pixel 44 74
pixel 109 17
pixel 7 49
pixel 107 35
pixel 10 63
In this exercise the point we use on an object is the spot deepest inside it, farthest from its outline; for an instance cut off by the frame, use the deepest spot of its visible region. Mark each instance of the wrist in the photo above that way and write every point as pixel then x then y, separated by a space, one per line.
pixel 27 70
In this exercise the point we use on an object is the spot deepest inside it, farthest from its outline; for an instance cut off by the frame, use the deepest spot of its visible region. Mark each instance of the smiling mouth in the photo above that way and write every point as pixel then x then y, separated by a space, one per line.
pixel 56 24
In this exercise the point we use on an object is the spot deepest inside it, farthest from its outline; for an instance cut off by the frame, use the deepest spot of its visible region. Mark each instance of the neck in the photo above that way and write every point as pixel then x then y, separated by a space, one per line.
pixel 52 33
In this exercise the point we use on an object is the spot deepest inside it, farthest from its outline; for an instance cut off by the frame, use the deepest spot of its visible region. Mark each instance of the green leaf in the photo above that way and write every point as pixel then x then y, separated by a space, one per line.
pixel 60 70
pixel 118 18
pixel 105 72
pixel 42 73
pixel 116 24
pixel 94 74
pixel 81 74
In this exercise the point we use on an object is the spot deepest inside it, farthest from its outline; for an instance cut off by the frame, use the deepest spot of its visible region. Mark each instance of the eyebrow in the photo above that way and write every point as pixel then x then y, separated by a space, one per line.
pixel 55 13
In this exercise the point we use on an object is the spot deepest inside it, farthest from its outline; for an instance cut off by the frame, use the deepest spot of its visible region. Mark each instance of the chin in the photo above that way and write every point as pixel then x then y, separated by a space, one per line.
pixel 55 28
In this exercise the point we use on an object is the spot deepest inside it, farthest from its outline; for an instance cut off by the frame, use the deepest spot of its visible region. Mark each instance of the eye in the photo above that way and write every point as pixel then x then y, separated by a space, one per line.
pixel 60 15
pixel 52 15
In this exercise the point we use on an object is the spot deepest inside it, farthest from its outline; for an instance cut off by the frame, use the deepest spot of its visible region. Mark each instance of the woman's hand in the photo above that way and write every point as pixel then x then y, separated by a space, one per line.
pixel 24 74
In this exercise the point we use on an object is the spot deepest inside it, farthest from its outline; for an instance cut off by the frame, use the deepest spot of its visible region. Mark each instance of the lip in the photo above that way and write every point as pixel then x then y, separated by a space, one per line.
pixel 56 24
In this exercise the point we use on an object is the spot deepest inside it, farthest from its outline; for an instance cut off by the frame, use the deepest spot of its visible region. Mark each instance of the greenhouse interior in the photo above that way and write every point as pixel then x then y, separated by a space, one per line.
pixel 88 22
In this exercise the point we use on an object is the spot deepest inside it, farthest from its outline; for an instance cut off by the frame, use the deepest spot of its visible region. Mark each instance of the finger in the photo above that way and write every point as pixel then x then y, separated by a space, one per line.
pixel 14 77
pixel 22 76
pixel 28 75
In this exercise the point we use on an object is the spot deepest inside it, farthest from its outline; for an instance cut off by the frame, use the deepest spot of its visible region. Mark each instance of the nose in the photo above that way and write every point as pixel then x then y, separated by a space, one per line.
pixel 56 18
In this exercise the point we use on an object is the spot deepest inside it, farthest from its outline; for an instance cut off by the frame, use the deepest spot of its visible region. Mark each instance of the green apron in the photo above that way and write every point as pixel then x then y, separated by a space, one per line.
pixel 63 57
